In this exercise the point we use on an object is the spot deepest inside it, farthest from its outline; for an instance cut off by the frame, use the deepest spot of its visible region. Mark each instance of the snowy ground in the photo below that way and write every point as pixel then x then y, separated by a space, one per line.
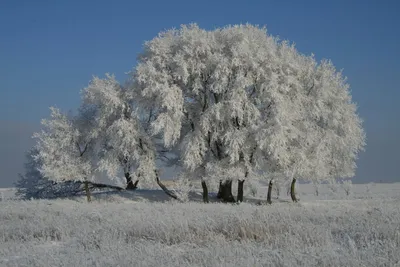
pixel 145 228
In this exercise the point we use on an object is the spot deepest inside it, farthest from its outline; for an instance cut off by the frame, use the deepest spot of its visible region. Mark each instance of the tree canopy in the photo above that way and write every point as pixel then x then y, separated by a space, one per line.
pixel 231 103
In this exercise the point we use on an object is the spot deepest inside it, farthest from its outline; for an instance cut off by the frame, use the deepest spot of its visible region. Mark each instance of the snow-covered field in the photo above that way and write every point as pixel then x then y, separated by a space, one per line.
pixel 144 228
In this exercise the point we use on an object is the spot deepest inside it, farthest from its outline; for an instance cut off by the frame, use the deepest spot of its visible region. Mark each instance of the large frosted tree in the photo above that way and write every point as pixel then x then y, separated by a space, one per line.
pixel 231 103
pixel 238 101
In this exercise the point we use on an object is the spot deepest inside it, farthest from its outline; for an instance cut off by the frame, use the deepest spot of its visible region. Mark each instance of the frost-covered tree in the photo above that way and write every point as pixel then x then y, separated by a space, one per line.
pixel 334 134
pixel 237 100
pixel 232 103
pixel 64 150
pixel 121 142
pixel 32 185
pixel 120 133
pixel 205 98
pixel 105 136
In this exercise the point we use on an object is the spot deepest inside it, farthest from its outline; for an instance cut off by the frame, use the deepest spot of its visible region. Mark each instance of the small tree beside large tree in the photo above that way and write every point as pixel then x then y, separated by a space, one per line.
pixel 65 151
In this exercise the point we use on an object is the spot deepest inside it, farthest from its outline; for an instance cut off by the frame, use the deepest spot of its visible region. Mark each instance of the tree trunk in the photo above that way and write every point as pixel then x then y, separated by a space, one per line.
pixel 129 183
pixel 226 191
pixel 219 195
pixel 205 191
pixel 269 196
pixel 89 199
pixel 164 188
pixel 293 191
pixel 240 191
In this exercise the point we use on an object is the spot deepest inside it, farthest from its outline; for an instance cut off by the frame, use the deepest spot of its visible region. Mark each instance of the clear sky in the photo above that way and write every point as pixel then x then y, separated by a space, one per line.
pixel 49 51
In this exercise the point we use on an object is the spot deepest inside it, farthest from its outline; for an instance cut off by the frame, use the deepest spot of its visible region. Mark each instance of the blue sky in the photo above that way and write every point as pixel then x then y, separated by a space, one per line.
pixel 49 51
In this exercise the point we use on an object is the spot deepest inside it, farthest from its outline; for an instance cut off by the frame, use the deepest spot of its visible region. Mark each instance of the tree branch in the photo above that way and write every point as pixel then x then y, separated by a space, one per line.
pixel 164 188
pixel 309 90
pixel 81 152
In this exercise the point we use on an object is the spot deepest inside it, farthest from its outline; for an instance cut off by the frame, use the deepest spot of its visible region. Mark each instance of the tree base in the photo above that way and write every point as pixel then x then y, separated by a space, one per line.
pixel 293 191
pixel 225 192
pixel 87 191
pixel 240 191
pixel 131 185
pixel 205 191
pixel 269 196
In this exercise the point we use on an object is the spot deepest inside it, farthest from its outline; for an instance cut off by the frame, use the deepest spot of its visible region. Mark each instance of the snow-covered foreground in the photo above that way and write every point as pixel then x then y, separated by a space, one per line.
pixel 116 232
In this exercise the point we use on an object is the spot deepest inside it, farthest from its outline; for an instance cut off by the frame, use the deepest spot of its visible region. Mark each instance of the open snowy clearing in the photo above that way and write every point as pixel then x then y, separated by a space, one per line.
pixel 144 228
